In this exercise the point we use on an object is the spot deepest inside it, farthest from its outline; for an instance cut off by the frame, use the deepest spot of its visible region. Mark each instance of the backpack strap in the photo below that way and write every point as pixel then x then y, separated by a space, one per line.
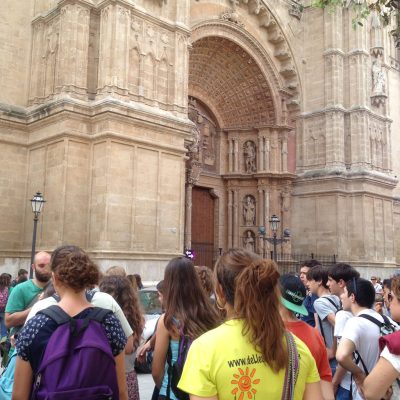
pixel 57 314
pixel 374 320
pixel 98 314
pixel 292 370
pixel 333 303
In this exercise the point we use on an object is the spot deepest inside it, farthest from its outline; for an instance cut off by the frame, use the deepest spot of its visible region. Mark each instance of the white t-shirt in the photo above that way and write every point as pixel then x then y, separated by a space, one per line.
pixel 365 336
pixel 340 322
pixel 323 307
pixel 392 358
pixel 100 299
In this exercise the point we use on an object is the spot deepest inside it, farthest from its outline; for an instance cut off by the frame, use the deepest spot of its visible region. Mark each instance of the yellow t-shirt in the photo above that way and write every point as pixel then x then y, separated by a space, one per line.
pixel 222 362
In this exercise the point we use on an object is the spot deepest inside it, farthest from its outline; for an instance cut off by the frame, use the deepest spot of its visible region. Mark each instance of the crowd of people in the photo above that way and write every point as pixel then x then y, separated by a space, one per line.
pixel 239 331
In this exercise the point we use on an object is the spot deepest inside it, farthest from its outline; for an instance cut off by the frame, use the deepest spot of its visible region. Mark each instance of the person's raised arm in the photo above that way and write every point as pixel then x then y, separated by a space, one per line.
pixel 379 380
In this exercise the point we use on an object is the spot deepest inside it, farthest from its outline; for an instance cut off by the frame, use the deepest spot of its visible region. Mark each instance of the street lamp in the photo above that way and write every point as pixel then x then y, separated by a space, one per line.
pixel 274 240
pixel 37 203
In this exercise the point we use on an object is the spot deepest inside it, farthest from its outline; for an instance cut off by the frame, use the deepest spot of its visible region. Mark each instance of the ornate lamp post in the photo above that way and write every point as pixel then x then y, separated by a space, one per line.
pixel 274 240
pixel 37 203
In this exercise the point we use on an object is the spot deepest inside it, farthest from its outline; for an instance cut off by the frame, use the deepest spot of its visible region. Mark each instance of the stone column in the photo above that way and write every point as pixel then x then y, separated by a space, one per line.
pixel 236 209
pixel 230 155
pixel 260 159
pixel 74 48
pixel 188 216
pixel 236 155
pixel 260 210
pixel 284 160
pixel 230 218
pixel 266 207
pixel 267 166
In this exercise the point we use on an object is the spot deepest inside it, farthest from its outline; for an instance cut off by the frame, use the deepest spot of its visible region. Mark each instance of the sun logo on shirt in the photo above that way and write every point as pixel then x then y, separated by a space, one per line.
pixel 244 384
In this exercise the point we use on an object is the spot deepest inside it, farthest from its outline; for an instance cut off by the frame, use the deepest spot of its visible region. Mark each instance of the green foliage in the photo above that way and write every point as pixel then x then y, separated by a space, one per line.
pixel 363 8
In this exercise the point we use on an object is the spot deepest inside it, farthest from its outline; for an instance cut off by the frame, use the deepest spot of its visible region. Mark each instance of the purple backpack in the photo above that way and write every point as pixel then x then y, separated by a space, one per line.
pixel 78 362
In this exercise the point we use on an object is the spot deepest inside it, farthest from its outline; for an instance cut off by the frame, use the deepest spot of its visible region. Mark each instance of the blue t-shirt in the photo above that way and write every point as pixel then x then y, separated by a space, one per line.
pixel 309 305
pixel 34 336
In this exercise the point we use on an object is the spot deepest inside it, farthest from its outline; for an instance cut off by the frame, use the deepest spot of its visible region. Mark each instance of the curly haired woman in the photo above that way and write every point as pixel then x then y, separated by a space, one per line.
pixel 72 272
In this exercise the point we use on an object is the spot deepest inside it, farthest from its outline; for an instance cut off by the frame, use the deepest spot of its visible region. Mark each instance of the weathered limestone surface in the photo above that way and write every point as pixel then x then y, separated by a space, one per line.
pixel 116 109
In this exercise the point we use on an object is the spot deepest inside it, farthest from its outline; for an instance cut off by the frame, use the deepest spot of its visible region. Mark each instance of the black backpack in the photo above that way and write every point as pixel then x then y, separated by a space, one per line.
pixel 175 369
pixel 385 328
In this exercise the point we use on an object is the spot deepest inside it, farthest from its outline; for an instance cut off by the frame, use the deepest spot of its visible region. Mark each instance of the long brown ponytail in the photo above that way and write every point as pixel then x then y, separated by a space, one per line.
pixel 250 285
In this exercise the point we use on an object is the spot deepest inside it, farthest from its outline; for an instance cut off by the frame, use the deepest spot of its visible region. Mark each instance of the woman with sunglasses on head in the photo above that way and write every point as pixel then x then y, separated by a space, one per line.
pixel 387 370
pixel 251 355
pixel 188 312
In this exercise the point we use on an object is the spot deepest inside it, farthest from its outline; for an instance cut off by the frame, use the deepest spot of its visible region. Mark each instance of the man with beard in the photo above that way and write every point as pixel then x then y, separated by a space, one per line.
pixel 25 294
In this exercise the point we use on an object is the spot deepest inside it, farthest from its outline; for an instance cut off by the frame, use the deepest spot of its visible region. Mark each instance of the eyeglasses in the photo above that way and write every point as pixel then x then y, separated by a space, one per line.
pixel 390 297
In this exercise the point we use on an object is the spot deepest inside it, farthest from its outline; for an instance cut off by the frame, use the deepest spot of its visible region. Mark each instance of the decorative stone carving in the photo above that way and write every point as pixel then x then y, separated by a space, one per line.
pixel 378 97
pixel 206 134
pixel 296 10
pixel 378 78
pixel 249 211
pixel 249 150
pixel 232 16
pixel 249 241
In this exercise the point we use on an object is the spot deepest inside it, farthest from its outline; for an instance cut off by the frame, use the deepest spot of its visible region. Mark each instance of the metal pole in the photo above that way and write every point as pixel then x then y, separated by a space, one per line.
pixel 35 220
pixel 275 243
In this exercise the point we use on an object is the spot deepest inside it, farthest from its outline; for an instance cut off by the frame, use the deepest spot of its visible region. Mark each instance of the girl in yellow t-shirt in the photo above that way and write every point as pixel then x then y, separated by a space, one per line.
pixel 250 356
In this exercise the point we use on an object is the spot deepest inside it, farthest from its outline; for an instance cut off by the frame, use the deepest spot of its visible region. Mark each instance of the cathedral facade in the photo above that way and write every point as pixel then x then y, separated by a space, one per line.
pixel 154 126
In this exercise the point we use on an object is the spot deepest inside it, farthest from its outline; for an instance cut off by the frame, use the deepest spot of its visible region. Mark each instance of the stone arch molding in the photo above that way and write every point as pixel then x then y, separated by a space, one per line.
pixel 278 68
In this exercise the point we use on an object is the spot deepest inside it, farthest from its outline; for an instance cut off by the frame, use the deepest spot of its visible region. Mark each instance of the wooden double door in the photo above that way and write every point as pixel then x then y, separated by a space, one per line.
pixel 203 220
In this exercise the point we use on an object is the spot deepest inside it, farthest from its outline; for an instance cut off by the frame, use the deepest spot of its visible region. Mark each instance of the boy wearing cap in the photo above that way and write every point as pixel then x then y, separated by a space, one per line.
pixel 293 295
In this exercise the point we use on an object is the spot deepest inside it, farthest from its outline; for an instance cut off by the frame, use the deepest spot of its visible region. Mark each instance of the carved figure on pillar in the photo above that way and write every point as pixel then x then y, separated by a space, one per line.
pixel 249 241
pixel 378 77
pixel 249 211
pixel 250 157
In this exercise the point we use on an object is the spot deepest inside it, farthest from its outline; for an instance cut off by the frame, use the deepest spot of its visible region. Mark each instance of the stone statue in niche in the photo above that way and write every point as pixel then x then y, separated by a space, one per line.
pixel 249 211
pixel 207 133
pixel 250 157
pixel 378 77
pixel 249 241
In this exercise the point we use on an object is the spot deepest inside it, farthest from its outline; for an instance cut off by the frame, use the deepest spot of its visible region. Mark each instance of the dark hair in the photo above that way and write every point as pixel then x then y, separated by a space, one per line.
pixel 206 278
pixel 185 300
pixel 74 268
pixel 342 271
pixel 250 285
pixel 126 296
pixel 387 283
pixel 48 291
pixel 160 286
pixel 363 290
pixel 318 274
pixel 22 272
pixel 139 283
pixel 5 280
pixel 132 280
pixel 311 263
